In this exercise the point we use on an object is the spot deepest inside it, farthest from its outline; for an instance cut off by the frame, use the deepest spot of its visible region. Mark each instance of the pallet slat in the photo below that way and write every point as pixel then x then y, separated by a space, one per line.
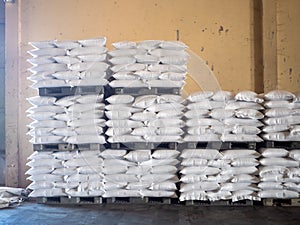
pixel 219 145
pixel 282 144
pixel 67 147
pixel 219 203
pixel 146 91
pixel 143 145
pixel 69 200
pixel 66 91
pixel 136 200
pixel 281 202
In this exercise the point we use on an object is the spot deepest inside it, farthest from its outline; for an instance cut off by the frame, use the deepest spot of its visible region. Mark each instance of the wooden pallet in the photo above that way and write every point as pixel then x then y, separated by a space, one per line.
pixel 67 147
pixel 134 200
pixel 66 91
pixel 144 145
pixel 146 91
pixel 219 203
pixel 245 202
pixel 164 201
pixel 70 200
pixel 218 145
pixel 144 200
pixel 206 203
pixel 281 202
pixel 282 144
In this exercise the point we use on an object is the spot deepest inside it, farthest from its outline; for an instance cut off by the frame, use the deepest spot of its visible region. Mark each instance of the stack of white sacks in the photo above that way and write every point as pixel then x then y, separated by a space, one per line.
pixel 282 116
pixel 140 173
pixel 110 173
pixel 77 119
pixel 68 63
pixel 201 126
pixel 74 174
pixel 148 118
pixel 221 116
pixel 279 173
pixel 212 175
pixel 150 63
pixel 245 122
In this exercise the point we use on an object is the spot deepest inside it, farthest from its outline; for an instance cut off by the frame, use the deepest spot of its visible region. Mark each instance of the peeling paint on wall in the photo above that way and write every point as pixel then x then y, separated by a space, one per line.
pixel 221 29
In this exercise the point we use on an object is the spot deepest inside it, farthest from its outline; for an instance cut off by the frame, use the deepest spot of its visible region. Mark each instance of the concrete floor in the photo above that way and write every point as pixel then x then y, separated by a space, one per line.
pixel 128 214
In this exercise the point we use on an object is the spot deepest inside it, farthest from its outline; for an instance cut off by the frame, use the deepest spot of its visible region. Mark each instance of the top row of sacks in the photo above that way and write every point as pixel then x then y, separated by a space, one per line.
pixel 147 44
pixel 69 44
pixel 69 63
pixel 124 48
pixel 248 96
pixel 150 63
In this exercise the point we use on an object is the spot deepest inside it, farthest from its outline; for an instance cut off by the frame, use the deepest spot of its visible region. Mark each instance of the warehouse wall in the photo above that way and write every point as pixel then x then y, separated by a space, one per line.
pixel 219 32
pixel 225 34
pixel 288 47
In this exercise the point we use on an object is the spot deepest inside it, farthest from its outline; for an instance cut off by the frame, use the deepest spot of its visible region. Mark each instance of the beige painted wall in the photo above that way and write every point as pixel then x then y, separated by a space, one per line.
pixel 216 30
pixel 219 32
pixel 288 44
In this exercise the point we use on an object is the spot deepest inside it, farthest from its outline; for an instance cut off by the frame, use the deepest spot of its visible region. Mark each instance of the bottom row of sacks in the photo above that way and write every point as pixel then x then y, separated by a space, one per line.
pixel 192 174
pixel 108 173
pixel 212 175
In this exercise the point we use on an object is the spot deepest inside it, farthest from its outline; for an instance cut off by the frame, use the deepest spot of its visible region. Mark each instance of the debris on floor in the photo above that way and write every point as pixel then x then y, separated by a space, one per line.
pixel 11 197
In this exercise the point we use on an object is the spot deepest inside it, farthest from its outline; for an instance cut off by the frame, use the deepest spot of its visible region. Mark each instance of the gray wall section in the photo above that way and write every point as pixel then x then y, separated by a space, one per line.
pixel 2 88
pixel 2 92
pixel 2 12
pixel 2 43
pixel 2 76
pixel 2 109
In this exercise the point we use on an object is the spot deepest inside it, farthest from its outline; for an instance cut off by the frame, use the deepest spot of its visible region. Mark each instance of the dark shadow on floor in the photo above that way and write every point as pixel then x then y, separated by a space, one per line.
pixel 129 214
